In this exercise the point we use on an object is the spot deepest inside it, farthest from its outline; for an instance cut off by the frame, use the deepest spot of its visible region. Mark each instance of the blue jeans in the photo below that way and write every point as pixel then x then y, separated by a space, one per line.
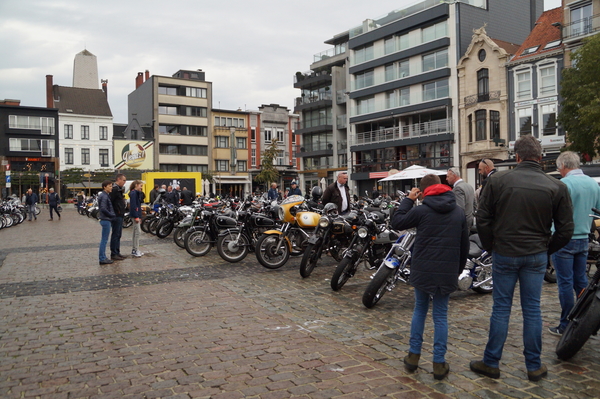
pixel 31 212
pixel 570 266
pixel 529 271
pixel 440 322
pixel 115 237
pixel 104 240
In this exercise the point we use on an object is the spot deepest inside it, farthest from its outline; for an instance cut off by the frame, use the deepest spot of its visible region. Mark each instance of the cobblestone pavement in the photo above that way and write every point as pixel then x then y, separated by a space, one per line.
pixel 169 325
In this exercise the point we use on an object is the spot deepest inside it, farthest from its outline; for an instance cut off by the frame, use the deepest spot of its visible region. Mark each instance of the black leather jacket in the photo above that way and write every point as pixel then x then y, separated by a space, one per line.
pixel 517 208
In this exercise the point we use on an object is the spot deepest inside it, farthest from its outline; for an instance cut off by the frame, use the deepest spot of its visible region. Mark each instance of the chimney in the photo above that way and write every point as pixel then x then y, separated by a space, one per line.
pixel 139 79
pixel 10 102
pixel 49 92
pixel 147 75
pixel 105 87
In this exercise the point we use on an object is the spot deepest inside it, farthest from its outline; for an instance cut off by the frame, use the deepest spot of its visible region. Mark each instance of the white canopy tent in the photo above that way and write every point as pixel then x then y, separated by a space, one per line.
pixel 413 172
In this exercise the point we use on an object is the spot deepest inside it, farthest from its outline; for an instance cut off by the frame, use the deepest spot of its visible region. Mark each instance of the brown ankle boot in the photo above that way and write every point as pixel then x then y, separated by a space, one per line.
pixel 440 370
pixel 411 361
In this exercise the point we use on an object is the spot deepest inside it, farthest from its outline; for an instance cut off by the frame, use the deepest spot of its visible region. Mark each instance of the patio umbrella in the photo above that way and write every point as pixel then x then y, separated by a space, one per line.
pixel 413 172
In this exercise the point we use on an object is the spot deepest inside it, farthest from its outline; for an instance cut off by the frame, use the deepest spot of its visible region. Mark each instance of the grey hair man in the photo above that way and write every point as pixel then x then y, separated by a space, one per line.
pixel 570 261
pixel 514 219
pixel 338 193
pixel 464 193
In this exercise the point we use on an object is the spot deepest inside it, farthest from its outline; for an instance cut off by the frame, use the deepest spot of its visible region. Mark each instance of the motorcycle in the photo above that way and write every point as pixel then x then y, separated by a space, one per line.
pixel 332 235
pixel 174 216
pixel 200 239
pixel 234 243
pixel 370 243
pixel 584 318
pixel 274 247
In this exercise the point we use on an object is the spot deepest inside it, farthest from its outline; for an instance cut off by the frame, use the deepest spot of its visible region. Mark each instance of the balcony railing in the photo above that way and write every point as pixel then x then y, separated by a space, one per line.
pixel 299 76
pixel 314 98
pixel 312 147
pixel 437 162
pixel 480 98
pixel 403 132
pixel 581 28
pixel 341 122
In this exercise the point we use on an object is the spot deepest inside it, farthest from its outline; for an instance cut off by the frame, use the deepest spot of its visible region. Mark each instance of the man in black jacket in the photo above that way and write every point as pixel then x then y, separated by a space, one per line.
pixel 338 193
pixel 187 197
pixel 439 254
pixel 117 198
pixel 514 220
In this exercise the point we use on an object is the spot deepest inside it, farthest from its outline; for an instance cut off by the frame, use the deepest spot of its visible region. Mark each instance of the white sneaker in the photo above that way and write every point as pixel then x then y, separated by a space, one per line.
pixel 137 253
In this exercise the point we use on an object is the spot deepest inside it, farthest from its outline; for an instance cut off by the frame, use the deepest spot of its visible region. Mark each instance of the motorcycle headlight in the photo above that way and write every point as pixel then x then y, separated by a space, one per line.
pixel 280 213
pixel 362 232
pixel 323 222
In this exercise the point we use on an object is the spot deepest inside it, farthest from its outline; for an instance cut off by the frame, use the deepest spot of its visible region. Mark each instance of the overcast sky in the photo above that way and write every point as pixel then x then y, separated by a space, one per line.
pixel 250 50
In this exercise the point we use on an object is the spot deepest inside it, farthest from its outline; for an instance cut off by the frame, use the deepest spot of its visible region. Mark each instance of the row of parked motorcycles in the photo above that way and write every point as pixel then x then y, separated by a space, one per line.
pixel 12 212
pixel 301 226
pixel 89 208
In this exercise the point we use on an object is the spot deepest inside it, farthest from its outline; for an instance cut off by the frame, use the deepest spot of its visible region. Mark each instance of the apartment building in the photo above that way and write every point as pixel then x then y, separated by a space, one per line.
pixel 483 103
pixel 230 153
pixel 28 147
pixel 581 19
pixel 273 123
pixel 403 95
pixel 322 143
pixel 178 108
pixel 534 83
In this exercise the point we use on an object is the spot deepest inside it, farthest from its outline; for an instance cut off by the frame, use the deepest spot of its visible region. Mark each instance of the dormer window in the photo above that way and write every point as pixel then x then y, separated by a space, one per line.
pixel 531 50
pixel 553 44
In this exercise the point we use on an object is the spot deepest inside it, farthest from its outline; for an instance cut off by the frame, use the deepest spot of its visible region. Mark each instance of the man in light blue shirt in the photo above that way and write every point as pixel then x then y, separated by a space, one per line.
pixel 570 261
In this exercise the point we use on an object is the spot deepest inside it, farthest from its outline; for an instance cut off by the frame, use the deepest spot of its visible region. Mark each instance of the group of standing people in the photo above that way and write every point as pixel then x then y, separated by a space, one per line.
pixel 31 200
pixel 523 216
pixel 112 207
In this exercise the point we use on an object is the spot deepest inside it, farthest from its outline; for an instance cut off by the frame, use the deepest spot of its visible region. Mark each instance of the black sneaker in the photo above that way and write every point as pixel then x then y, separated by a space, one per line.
pixel 555 331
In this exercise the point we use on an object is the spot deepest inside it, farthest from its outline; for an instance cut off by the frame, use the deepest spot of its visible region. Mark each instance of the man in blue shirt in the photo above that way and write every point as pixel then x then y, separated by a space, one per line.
pixel 273 195
pixel 570 261
pixel 294 190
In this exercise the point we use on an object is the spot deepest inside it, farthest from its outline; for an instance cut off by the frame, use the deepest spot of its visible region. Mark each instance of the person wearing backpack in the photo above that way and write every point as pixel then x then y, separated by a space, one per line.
pixel 53 202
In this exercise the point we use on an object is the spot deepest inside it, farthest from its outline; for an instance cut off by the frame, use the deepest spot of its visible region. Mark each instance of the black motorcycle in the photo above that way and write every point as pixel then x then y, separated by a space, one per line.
pixel 200 239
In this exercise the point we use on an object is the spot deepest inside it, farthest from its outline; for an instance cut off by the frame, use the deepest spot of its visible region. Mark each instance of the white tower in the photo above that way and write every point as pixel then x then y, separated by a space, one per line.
pixel 85 71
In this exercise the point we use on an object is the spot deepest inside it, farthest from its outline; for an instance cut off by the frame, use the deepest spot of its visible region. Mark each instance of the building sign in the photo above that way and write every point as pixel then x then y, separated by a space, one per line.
pixel 133 154
pixel 546 142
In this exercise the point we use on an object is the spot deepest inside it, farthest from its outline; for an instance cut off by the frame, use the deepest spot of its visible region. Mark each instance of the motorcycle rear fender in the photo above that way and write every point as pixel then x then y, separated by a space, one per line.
pixel 273 232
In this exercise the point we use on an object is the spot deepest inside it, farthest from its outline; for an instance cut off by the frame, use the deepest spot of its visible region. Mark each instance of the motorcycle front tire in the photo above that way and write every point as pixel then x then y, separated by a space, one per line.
pixel 268 255
pixel 550 275
pixel 489 286
pixel 310 258
pixel 584 324
pixel 153 226
pixel 232 252
pixel 146 222
pixel 178 236
pixel 127 222
pixel 197 243
pixel 342 273
pixel 378 286
pixel 164 228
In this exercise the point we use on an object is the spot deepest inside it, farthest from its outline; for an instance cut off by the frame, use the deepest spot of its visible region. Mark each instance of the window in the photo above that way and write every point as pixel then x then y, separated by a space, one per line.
pixel 390 99
pixel 481 55
pixel 168 129
pixel 268 135
pixel 69 156
pixel 171 91
pixel 68 131
pixel 168 149
pixel 253 157
pixel 404 96
pixel 293 138
pixel 480 125
pixel 364 79
pixel 433 32
pixel 365 105
pixel 195 92
pixel 363 54
pixel 279 160
pixel 552 44
pixel 581 20
pixel 389 45
pixel 134 134
pixel 524 127
pixel 217 121
pixel 253 135
pixel 494 124
pixel 242 166
pixel 404 69
pixel 435 60
pixel 280 136
pixel 45 125
pixel 194 131
pixel 222 165
pixel 548 119
pixel 221 142
pixel 403 42
pixel 85 132
pixel 483 85
pixel 195 111
pixel 198 150
pixel 103 155
pixel 470 126
pixel 523 84
pixel 435 90
pixel 27 145
pixel 389 72
pixel 103 132
pixel 240 142
pixel 167 110
pixel 85 156
pixel 547 80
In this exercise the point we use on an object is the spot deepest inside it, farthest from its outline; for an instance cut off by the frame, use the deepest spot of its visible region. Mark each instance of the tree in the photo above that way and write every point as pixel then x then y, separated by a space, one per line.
pixel 268 171
pixel 580 90
pixel 72 176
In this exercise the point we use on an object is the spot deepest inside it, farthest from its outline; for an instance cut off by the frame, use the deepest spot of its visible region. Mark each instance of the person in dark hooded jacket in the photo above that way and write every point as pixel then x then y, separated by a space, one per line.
pixel 438 256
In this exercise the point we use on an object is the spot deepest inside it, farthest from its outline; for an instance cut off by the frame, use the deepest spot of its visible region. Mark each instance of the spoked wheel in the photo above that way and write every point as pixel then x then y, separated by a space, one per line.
pixel 178 236
pixel 310 258
pixel 550 275
pixel 383 278
pixel 164 228
pixel 197 243
pixel 152 227
pixel 342 273
pixel 231 248
pixel 269 253
pixel 146 222
pixel 127 222
pixel 484 274
pixel 582 325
